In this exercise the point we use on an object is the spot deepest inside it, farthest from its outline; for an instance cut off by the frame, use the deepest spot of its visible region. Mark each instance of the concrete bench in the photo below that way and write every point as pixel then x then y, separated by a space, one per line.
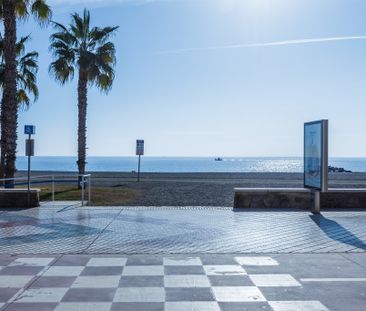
pixel 18 198
pixel 299 198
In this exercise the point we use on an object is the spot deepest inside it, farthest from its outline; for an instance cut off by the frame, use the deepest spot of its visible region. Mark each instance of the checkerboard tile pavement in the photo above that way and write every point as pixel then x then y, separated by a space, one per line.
pixel 98 283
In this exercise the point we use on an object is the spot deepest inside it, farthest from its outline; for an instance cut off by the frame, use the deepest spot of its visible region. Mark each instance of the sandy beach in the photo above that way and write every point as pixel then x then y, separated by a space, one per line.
pixel 197 189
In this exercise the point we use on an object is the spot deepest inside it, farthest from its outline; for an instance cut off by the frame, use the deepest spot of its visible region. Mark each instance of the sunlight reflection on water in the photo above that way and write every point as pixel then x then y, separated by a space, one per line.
pixel 185 164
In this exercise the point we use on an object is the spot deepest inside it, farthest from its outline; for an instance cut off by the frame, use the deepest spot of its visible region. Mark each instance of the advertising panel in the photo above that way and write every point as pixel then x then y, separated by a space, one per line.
pixel 316 155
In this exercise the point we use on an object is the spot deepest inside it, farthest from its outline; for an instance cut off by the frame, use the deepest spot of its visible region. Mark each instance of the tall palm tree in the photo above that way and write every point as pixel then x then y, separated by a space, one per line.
pixel 27 67
pixel 10 11
pixel 80 47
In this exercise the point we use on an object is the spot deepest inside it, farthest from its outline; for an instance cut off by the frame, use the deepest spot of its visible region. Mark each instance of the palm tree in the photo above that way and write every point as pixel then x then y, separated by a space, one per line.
pixel 80 47
pixel 10 11
pixel 27 67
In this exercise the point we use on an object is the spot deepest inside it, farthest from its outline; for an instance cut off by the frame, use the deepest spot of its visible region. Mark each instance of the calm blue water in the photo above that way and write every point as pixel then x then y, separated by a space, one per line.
pixel 178 164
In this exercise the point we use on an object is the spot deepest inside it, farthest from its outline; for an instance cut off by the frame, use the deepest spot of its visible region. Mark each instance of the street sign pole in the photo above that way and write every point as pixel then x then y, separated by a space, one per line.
pixel 140 144
pixel 29 168
pixel 138 170
pixel 29 152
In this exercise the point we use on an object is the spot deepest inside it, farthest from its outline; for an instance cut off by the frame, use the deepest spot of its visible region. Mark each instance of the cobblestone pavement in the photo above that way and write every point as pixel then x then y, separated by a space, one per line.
pixel 124 230
pixel 287 282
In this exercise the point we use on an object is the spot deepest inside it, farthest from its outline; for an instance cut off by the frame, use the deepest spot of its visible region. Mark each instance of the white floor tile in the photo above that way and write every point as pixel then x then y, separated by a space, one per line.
pixel 224 270
pixel 297 305
pixel 192 306
pixel 143 270
pixel 42 295
pixel 32 261
pixel 140 294
pixel 186 281
pixel 64 271
pixel 15 281
pixel 106 262
pixel 189 261
pixel 256 261
pixel 96 282
pixel 238 294
pixel 83 306
pixel 275 280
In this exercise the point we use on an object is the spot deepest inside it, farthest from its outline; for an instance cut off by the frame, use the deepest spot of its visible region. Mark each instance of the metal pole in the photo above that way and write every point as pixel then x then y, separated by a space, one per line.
pixel 82 190
pixel 29 164
pixel 53 189
pixel 89 188
pixel 138 171
pixel 316 205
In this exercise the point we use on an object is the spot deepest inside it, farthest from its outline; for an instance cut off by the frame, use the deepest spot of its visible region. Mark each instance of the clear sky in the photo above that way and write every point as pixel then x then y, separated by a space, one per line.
pixel 191 81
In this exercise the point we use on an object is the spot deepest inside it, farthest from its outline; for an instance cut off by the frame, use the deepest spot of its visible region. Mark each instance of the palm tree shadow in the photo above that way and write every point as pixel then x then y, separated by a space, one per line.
pixel 337 232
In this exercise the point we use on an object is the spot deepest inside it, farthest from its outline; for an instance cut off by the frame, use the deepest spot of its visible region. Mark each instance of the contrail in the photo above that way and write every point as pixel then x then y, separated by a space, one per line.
pixel 254 45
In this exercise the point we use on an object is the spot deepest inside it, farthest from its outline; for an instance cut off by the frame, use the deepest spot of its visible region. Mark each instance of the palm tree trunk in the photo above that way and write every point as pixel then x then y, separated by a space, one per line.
pixel 9 108
pixel 2 153
pixel 82 109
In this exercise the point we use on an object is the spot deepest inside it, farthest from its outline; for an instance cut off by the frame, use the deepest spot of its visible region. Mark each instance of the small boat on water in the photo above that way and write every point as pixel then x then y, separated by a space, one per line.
pixel 218 159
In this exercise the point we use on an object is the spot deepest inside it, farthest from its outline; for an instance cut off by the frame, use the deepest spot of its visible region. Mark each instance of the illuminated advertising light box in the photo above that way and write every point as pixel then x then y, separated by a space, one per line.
pixel 316 155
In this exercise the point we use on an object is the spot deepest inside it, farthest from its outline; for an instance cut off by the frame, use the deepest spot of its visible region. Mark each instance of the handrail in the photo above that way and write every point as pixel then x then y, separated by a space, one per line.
pixel 85 178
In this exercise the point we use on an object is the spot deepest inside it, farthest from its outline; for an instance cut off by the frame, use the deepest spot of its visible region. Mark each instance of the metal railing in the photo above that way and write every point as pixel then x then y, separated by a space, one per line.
pixel 83 180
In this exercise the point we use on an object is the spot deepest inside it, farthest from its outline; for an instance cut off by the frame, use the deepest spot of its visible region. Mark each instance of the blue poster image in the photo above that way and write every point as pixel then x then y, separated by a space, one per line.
pixel 313 155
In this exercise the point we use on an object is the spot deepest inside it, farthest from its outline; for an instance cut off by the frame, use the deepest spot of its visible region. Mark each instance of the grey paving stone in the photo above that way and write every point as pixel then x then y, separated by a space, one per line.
pixel 7 293
pixel 19 270
pixel 72 260
pixel 244 306
pixel 32 307
pixel 174 270
pixel 230 280
pixel 189 294
pixel 338 296
pixel 141 281
pixel 142 306
pixel 359 258
pixel 6 260
pixel 53 281
pixel 313 265
pixel 144 261
pixel 89 295
pixel 102 271
pixel 209 259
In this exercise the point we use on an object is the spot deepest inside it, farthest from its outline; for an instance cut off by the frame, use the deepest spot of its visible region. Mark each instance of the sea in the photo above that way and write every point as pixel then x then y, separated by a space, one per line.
pixel 184 164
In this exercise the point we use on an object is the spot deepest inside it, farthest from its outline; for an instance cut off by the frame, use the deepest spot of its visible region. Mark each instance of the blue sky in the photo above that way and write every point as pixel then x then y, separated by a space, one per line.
pixel 190 86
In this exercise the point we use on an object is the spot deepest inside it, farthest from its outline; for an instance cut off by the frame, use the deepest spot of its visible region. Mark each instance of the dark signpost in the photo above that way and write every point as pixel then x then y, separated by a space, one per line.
pixel 139 152
pixel 29 152
pixel 316 159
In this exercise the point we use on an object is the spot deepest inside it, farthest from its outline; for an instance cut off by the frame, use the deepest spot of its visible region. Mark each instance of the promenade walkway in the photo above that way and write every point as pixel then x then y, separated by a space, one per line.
pixel 181 259
pixel 152 230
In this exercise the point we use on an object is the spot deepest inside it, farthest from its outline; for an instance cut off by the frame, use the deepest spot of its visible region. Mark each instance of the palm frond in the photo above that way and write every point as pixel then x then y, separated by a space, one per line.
pixel 62 70
pixel 100 35
pixel 21 9
pixel 23 98
pixel 27 68
pixel 41 11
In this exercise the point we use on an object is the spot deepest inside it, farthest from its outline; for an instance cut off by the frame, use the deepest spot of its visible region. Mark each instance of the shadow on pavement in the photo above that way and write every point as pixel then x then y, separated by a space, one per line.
pixel 337 232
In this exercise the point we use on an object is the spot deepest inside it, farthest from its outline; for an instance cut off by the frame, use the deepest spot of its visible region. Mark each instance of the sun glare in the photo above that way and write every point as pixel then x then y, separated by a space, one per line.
pixel 246 4
pixel 258 7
